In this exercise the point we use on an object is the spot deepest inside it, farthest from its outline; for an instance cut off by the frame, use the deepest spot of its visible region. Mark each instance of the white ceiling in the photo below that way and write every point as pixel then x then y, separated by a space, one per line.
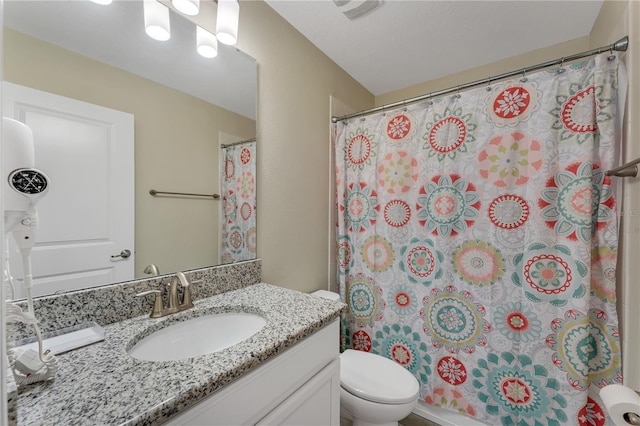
pixel 115 35
pixel 397 45
pixel 403 42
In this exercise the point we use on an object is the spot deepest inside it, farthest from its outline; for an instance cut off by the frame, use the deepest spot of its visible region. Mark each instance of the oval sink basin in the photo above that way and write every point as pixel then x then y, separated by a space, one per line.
pixel 197 336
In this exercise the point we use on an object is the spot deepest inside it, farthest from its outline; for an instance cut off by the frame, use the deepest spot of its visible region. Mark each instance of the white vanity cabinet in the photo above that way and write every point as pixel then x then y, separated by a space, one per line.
pixel 300 386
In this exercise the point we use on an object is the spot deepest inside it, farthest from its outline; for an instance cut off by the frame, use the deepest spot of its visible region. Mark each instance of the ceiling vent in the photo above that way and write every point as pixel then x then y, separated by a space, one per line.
pixel 353 9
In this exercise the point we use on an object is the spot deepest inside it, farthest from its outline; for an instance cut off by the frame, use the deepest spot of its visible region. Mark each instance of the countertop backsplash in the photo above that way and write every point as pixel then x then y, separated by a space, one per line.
pixel 118 302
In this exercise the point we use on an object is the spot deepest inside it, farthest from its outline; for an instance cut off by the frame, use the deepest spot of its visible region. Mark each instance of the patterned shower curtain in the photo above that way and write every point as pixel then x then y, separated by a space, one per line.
pixel 477 239
pixel 239 203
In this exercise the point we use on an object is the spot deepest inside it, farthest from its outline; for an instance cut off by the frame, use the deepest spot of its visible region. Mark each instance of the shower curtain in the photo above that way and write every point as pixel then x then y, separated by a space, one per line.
pixel 239 203
pixel 477 238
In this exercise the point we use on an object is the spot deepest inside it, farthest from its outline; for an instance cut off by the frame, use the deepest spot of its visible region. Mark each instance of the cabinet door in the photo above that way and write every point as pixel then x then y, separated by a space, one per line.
pixel 262 390
pixel 315 403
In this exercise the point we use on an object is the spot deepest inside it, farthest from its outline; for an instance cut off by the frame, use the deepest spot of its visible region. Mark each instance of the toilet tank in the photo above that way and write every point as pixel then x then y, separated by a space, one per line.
pixel 327 295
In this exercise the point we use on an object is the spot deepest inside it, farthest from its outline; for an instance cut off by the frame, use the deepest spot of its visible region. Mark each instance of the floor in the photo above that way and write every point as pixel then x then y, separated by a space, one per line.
pixel 413 420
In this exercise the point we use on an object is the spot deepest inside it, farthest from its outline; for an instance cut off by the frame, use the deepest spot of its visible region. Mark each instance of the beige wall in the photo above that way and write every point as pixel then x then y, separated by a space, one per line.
pixel 176 139
pixel 495 68
pixel 295 82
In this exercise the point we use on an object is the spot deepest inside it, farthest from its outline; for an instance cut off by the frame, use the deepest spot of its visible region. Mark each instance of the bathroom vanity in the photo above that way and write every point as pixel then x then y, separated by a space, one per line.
pixel 286 373
pixel 298 387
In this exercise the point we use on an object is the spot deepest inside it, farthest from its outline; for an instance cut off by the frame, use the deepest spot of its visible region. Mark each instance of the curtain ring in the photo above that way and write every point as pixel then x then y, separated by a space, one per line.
pixel 429 100
pixel 561 69
pixel 384 113
pixel 611 56
pixel 404 106
pixel 458 96
pixel 362 117
pixel 524 78
pixel 488 89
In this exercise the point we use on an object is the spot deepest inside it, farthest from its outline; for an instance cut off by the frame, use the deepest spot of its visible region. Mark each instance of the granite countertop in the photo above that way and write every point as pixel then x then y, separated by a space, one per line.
pixel 12 394
pixel 102 385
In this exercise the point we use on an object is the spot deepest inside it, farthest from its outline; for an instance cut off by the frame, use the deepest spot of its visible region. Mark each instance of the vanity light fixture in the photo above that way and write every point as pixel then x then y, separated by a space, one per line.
pixel 188 7
pixel 206 42
pixel 156 20
pixel 227 21
pixel 102 2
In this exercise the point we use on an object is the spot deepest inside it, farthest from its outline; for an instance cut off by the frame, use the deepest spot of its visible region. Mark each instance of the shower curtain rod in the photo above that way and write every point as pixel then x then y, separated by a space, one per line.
pixel 629 169
pixel 227 145
pixel 619 46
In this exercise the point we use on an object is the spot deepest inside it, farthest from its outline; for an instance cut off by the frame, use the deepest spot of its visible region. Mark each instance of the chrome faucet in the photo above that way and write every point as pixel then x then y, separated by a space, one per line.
pixel 173 304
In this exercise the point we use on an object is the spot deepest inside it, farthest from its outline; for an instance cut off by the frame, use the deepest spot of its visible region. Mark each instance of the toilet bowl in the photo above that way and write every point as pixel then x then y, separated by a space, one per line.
pixel 374 390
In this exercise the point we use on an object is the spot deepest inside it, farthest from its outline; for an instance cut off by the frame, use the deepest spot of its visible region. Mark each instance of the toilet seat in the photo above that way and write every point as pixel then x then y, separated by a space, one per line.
pixel 377 379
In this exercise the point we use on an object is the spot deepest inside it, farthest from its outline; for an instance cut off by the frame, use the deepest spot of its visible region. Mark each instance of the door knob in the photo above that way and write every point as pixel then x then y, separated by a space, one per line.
pixel 123 254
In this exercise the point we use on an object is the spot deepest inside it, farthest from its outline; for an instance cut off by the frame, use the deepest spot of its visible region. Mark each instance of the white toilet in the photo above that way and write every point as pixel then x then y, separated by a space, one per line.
pixel 374 390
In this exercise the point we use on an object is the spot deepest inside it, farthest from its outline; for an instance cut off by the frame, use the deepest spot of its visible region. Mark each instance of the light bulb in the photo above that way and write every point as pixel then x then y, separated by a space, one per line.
pixel 206 42
pixel 188 7
pixel 156 20
pixel 227 21
pixel 102 2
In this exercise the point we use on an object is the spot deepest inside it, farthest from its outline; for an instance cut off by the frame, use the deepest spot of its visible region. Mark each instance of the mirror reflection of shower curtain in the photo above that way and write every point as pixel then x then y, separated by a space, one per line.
pixel 239 203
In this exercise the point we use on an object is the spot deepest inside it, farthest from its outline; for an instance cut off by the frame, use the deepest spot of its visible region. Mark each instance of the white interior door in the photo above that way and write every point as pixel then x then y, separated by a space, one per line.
pixel 87 216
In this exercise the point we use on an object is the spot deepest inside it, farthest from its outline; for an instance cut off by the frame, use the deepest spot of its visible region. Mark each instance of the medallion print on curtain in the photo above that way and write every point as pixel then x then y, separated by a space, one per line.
pixel 477 239
pixel 239 203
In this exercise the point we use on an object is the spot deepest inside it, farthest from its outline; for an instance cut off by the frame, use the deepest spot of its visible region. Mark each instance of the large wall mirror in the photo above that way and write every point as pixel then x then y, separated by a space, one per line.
pixel 179 108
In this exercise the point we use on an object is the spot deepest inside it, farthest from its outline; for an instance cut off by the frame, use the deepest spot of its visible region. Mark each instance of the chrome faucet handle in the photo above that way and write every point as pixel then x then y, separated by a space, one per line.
pixel 157 303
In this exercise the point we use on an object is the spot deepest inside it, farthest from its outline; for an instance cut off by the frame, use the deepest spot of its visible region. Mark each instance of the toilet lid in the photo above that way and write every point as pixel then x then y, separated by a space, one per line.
pixel 376 378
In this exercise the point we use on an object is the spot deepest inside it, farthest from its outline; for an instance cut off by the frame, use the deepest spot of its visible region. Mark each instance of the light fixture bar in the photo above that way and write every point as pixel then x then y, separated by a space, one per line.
pixel 156 20
pixel 227 21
